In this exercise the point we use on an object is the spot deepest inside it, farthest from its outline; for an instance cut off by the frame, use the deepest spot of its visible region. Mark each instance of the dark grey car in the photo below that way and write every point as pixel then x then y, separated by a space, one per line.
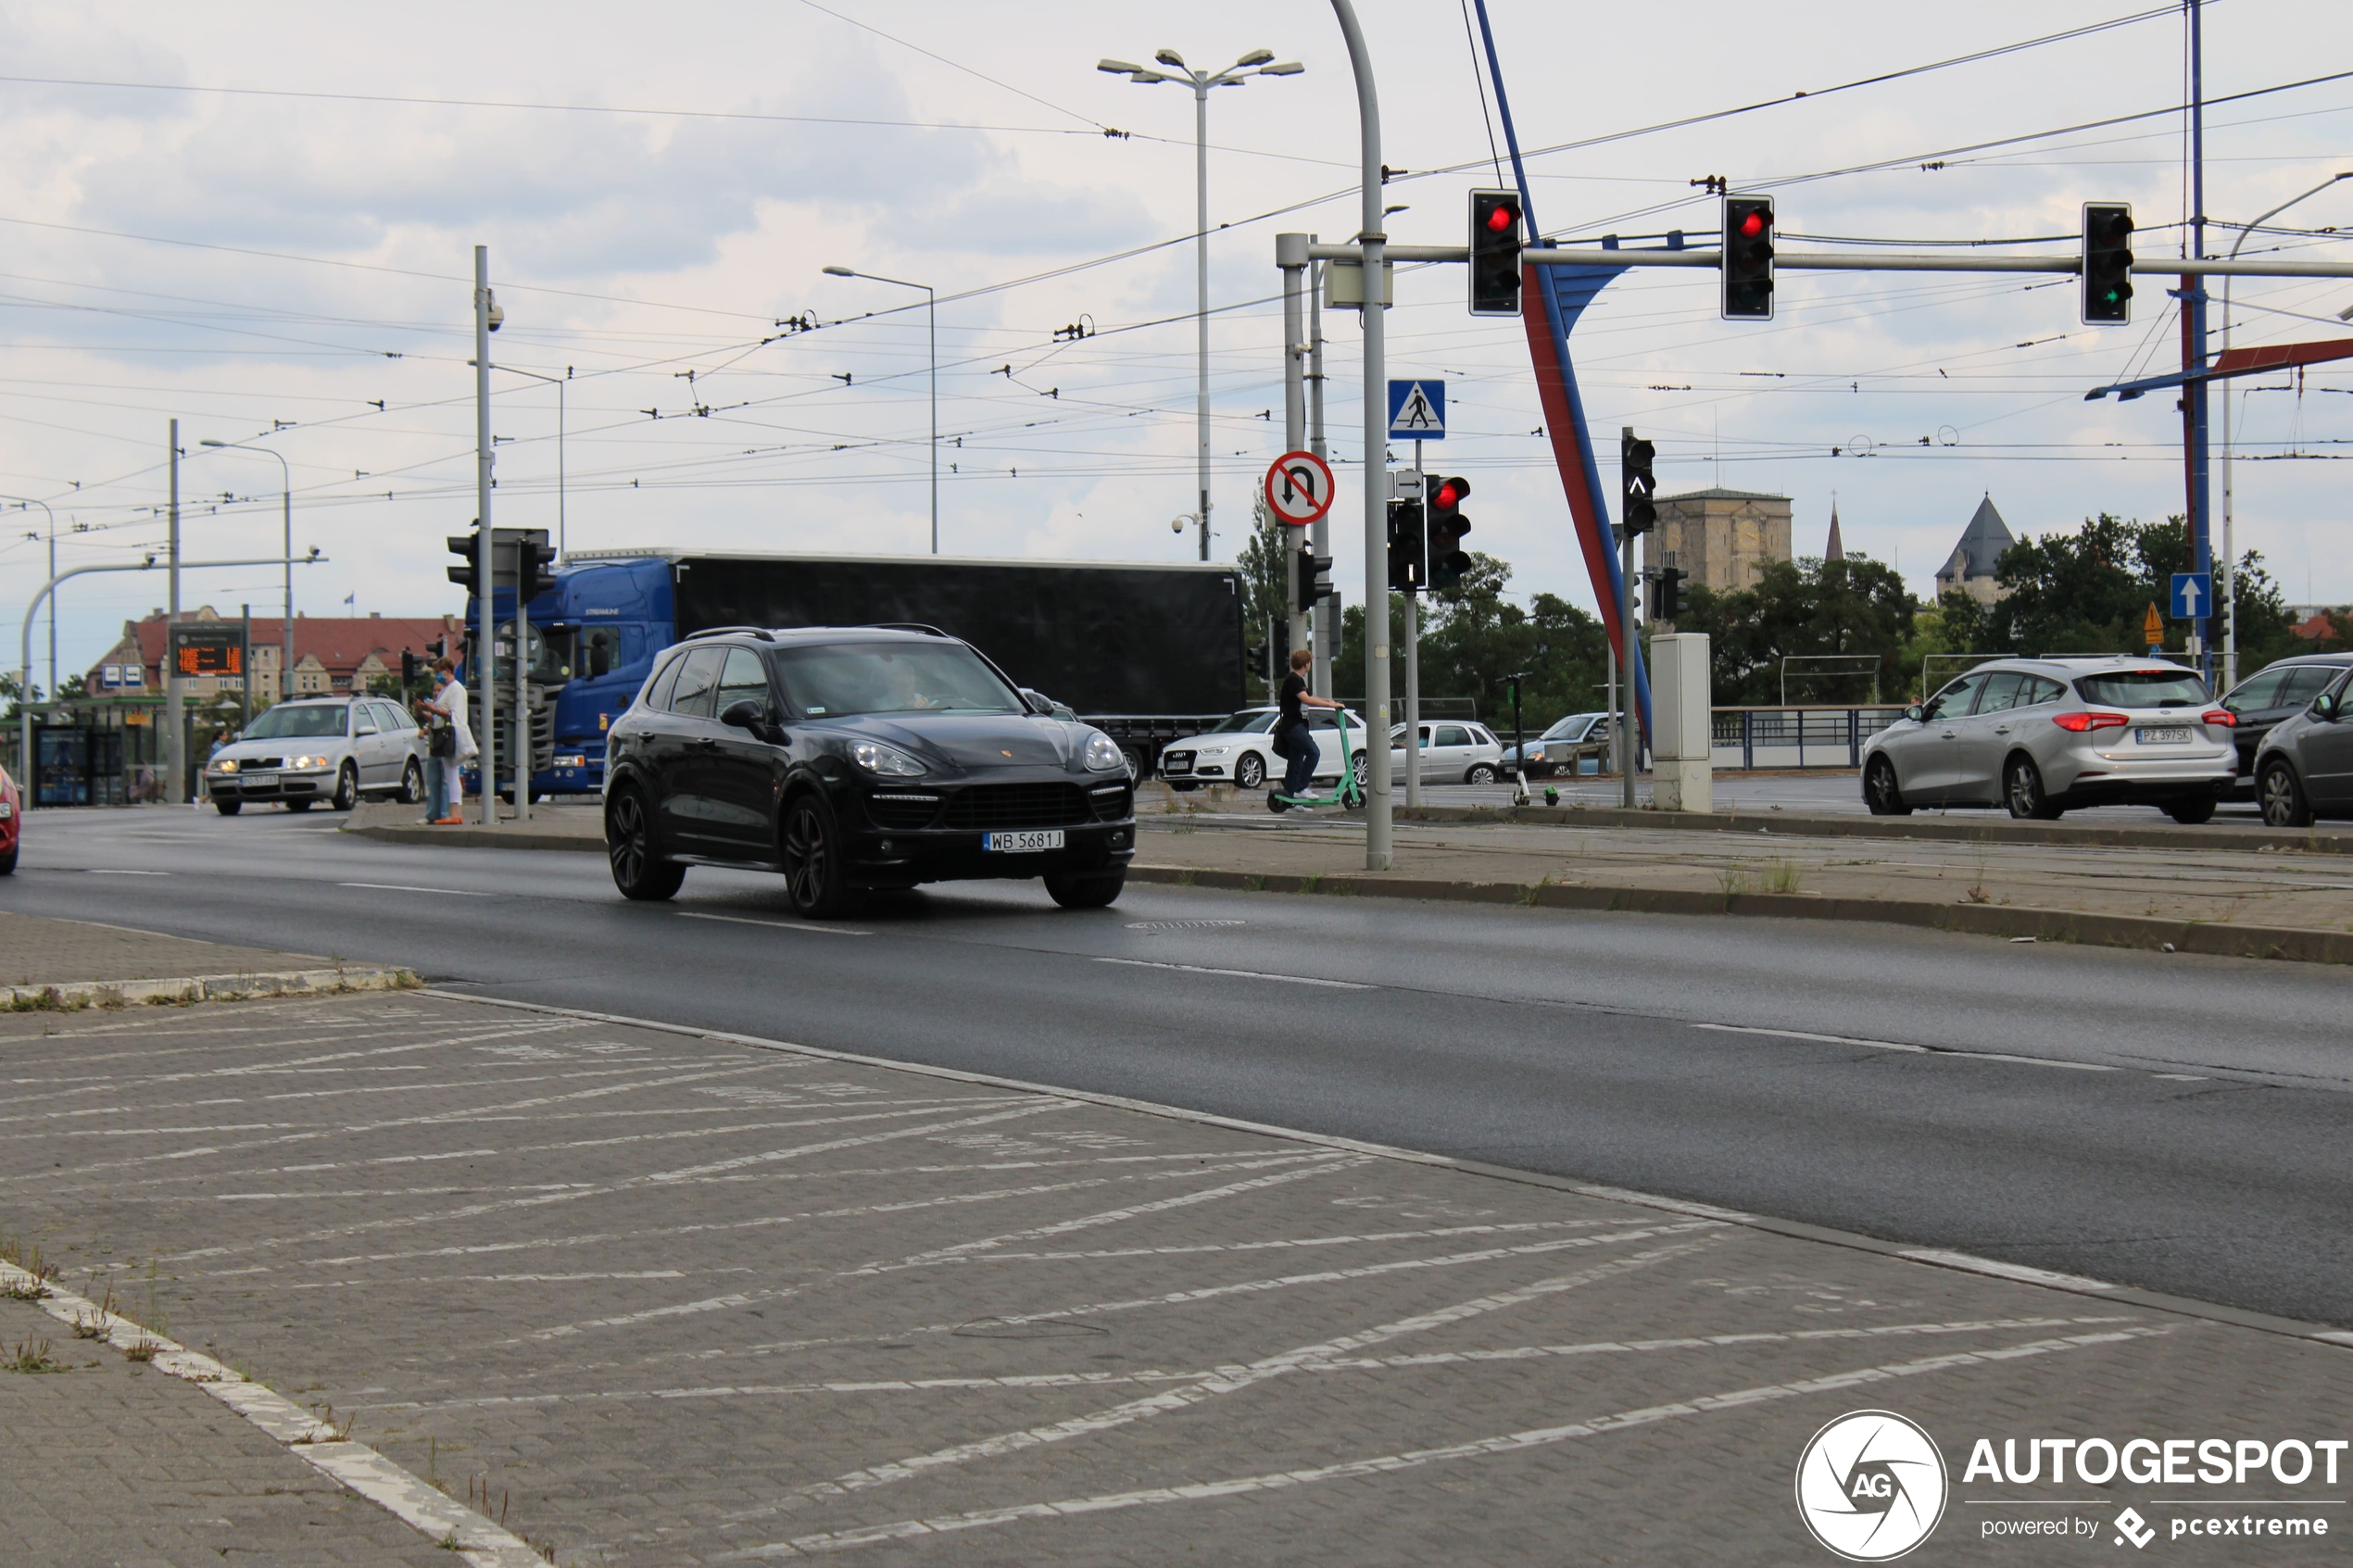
pixel 2278 691
pixel 2305 767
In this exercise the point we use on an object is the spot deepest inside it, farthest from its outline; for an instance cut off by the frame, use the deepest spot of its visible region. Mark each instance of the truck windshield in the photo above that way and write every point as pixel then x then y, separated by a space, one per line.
pixel 826 683
pixel 2144 688
pixel 551 654
pixel 298 720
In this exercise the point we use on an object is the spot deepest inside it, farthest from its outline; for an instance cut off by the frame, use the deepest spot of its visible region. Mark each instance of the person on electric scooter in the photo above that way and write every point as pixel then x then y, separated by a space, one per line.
pixel 1292 739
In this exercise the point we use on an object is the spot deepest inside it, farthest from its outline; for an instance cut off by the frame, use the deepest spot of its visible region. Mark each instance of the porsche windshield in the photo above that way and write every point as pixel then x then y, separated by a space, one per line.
pixel 827 683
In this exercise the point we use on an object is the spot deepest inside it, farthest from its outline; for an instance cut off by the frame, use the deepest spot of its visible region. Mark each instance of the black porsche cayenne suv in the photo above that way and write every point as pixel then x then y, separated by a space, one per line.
pixel 859 758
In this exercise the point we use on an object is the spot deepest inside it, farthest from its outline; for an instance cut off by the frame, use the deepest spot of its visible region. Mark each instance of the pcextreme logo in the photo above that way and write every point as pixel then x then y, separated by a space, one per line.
pixel 1870 1486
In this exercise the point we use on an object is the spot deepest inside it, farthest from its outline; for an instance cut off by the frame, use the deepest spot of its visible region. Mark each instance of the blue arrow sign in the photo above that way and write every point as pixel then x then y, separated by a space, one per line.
pixel 2193 596
pixel 1417 411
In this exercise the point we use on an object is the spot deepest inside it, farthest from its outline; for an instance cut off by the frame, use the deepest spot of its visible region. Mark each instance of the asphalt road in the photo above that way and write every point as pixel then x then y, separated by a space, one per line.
pixel 2171 1122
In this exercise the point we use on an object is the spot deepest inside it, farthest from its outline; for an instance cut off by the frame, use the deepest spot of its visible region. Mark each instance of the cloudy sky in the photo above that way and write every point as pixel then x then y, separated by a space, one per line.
pixel 261 216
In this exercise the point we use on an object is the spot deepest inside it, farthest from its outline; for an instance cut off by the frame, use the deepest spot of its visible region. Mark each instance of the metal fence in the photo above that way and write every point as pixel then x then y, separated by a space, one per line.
pixel 1796 737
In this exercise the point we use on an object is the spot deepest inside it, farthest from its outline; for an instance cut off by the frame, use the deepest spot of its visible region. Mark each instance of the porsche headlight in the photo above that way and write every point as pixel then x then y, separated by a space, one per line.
pixel 888 761
pixel 1104 753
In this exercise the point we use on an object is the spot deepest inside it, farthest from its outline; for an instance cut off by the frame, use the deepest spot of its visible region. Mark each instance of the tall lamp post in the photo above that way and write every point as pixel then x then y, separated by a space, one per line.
pixel 29 501
pixel 285 514
pixel 931 315
pixel 2230 550
pixel 1200 81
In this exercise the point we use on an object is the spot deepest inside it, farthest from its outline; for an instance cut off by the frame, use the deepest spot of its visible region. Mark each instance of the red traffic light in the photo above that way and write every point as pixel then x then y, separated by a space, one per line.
pixel 1451 493
pixel 1754 223
pixel 1501 218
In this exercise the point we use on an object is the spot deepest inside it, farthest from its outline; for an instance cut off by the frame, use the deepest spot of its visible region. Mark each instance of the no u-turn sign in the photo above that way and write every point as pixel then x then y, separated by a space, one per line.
pixel 1299 488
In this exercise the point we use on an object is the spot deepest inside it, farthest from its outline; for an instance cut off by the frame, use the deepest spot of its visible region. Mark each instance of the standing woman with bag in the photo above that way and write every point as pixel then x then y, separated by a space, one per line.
pixel 448 746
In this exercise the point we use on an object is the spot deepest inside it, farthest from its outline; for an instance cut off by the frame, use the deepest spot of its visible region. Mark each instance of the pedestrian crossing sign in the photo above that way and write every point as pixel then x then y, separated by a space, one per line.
pixel 1417 411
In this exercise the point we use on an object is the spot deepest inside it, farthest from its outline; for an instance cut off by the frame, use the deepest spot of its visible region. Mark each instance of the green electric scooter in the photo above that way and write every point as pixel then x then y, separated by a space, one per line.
pixel 1348 791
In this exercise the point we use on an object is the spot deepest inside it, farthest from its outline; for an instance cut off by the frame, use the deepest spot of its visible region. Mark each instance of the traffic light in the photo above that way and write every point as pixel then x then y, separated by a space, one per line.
pixel 1748 258
pixel 2107 263
pixel 1448 560
pixel 1408 562
pixel 1314 578
pixel 1637 484
pixel 468 548
pixel 408 671
pixel 1669 602
pixel 537 563
pixel 1494 253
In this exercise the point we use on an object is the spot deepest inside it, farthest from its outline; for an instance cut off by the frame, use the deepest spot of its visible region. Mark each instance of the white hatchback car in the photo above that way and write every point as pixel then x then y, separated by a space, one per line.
pixel 1453 752
pixel 308 749
pixel 2042 735
pixel 1240 750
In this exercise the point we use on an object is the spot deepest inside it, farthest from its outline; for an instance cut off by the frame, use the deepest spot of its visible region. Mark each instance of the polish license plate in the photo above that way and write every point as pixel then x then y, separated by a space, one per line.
pixel 1022 843
pixel 2172 735
pixel 258 781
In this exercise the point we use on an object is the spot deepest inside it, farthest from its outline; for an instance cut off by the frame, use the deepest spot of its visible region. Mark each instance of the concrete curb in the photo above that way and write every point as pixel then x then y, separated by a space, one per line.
pixel 73 996
pixel 1990 829
pixel 475 837
pixel 1980 920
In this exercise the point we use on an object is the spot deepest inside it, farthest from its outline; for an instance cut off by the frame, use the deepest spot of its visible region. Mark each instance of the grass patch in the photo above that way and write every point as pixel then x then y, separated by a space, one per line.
pixel 30 1356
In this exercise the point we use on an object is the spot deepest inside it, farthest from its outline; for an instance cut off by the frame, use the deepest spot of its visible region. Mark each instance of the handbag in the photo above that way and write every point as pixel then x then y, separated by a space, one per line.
pixel 442 742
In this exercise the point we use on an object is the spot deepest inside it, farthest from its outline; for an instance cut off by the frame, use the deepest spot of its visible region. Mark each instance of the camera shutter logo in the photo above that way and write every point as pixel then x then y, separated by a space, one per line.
pixel 1871 1485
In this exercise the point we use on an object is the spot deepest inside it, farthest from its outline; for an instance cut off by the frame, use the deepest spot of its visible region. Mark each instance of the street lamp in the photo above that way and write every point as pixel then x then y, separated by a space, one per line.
pixel 1200 81
pixel 557 382
pixel 931 315
pixel 2229 554
pixel 29 501
pixel 285 651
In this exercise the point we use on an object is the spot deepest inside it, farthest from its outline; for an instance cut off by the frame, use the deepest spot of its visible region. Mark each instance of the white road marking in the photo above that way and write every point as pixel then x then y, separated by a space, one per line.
pixel 402 887
pixel 1225 1381
pixel 1924 1050
pixel 778 924
pixel 1242 974
pixel 129 874
pixel 1737 1399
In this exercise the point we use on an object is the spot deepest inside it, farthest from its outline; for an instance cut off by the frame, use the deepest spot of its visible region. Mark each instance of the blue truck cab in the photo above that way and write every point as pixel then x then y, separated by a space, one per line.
pixel 594 636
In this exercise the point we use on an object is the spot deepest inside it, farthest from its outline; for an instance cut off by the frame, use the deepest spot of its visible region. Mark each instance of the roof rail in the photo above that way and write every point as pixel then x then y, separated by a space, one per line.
pixel 906 626
pixel 760 632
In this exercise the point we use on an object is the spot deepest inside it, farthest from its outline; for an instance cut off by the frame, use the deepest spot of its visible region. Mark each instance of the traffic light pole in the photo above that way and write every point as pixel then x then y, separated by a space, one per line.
pixel 1413 672
pixel 1894 261
pixel 1328 617
pixel 486 575
pixel 1379 854
pixel 1630 740
pixel 1290 255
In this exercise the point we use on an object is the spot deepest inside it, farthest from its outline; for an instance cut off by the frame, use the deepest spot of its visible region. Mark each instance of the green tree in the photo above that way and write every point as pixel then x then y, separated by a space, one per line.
pixel 1856 608
pixel 1265 588
pixel 1472 636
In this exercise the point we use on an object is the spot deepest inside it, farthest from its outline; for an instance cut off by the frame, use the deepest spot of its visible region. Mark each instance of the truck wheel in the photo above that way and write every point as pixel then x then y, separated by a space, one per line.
pixel 412 784
pixel 629 844
pixel 1093 892
pixel 814 876
pixel 228 808
pixel 1251 772
pixel 346 793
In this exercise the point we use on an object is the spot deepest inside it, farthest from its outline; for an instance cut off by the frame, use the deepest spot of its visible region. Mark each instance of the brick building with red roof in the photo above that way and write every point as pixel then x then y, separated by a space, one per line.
pixel 331 654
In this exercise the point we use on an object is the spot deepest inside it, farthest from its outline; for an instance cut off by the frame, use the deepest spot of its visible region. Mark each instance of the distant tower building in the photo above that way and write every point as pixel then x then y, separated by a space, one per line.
pixel 1836 548
pixel 1974 561
pixel 1724 539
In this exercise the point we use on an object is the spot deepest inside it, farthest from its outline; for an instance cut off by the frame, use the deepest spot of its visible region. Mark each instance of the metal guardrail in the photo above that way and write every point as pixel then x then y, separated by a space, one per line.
pixel 1796 736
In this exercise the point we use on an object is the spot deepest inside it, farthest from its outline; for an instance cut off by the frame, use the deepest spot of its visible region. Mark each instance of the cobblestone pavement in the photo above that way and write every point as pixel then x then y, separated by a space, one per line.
pixel 36 951
pixel 681 1299
pixel 109 1462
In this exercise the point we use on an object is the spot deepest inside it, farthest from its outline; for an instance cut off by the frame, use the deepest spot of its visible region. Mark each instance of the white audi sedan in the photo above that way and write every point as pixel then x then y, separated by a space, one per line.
pixel 1240 750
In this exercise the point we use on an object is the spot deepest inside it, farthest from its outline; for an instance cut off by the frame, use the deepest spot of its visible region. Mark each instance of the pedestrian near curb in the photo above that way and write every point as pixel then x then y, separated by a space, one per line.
pixel 448 743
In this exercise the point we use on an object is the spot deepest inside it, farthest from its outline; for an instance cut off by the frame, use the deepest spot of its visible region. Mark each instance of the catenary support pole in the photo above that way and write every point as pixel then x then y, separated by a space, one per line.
pixel 1201 273
pixel 2198 398
pixel 1379 855
pixel 175 740
pixel 485 725
pixel 1291 256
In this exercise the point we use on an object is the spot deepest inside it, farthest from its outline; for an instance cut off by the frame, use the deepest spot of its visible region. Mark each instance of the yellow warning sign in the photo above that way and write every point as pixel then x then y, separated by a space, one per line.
pixel 2153 627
